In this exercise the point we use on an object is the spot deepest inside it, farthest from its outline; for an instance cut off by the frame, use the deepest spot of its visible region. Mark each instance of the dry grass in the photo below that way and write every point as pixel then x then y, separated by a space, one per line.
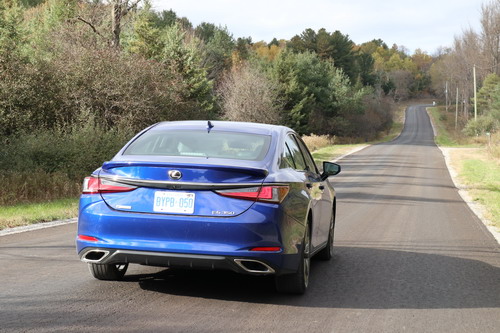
pixel 333 152
pixel 493 145
pixel 36 186
pixel 479 171
pixel 315 142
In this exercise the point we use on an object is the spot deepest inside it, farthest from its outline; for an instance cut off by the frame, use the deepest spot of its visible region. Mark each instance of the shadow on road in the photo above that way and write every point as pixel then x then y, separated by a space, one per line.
pixel 361 278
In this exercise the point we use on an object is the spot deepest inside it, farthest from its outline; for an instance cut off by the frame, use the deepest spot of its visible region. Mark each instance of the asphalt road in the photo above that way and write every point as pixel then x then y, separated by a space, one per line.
pixel 410 257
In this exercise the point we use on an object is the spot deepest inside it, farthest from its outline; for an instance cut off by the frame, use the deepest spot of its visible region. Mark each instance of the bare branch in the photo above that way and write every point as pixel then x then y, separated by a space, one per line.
pixel 129 8
pixel 134 4
pixel 91 26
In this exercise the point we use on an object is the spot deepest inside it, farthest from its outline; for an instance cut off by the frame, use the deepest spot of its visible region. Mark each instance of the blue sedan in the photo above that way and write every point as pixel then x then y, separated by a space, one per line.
pixel 237 196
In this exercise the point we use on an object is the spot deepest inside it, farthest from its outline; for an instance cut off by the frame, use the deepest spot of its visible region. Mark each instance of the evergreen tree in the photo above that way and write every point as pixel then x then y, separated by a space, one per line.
pixel 366 69
pixel 218 51
pixel 165 18
pixel 205 31
pixel 334 47
pixel 183 56
pixel 146 37
pixel 487 95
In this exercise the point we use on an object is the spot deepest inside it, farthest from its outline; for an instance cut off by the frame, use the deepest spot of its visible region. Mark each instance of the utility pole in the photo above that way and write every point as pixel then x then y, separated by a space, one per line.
pixel 456 112
pixel 475 96
pixel 446 94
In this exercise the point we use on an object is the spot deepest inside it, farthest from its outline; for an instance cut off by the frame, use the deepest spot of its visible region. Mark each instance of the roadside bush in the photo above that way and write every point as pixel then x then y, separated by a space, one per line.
pixel 50 164
pixel 481 126
pixel 75 152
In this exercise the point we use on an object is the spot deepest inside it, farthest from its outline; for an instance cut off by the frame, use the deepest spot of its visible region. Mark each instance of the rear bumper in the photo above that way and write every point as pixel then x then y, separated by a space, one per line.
pixel 190 241
pixel 181 260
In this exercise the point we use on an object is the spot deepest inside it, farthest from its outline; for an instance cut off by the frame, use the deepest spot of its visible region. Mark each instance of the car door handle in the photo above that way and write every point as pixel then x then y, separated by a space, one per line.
pixel 322 187
pixel 309 185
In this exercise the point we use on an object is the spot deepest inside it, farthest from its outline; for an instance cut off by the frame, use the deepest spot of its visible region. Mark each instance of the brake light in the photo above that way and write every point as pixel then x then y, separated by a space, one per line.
pixel 274 193
pixel 94 185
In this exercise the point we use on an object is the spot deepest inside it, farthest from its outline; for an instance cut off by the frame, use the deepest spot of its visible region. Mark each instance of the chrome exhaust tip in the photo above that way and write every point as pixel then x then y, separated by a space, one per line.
pixel 94 256
pixel 254 266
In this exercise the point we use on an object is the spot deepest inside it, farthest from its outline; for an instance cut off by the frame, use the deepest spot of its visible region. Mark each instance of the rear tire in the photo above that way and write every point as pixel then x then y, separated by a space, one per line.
pixel 110 272
pixel 297 282
pixel 327 252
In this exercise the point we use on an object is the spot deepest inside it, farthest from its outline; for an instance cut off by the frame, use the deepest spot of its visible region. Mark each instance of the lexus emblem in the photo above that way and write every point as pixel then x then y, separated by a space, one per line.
pixel 175 174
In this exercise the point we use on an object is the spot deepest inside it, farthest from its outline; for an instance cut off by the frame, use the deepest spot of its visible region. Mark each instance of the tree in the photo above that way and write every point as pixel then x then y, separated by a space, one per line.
pixel 402 81
pixel 274 42
pixel 219 45
pixel 267 51
pixel 13 78
pixel 247 94
pixel 298 74
pixel 205 31
pixel 335 47
pixel 317 96
pixel 58 11
pixel 146 37
pixel 165 18
pixel 366 65
pixel 243 48
pixel 182 54
pixel 490 34
pixel 119 9
pixel 372 46
pixel 343 54
pixel 486 95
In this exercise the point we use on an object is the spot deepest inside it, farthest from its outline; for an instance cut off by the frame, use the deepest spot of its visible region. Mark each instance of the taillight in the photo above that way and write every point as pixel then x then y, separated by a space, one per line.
pixel 274 193
pixel 94 185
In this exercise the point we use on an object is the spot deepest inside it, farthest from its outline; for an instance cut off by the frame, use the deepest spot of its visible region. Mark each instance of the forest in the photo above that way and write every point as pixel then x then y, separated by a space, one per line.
pixel 79 77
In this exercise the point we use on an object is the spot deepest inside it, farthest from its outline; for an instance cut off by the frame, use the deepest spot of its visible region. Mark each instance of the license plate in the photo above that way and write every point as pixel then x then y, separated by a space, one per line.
pixel 174 202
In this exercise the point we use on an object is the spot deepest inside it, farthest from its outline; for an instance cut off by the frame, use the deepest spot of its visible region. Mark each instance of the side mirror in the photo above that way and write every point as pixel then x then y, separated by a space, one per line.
pixel 330 169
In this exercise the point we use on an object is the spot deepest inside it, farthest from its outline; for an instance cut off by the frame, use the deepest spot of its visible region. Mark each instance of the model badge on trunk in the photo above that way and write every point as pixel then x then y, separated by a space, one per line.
pixel 175 174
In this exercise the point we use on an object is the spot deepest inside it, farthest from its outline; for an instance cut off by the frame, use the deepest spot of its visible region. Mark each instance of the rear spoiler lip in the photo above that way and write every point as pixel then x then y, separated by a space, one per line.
pixel 179 185
pixel 244 169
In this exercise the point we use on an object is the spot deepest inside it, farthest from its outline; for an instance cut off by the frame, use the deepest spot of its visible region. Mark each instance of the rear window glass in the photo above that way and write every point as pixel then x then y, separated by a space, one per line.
pixel 230 145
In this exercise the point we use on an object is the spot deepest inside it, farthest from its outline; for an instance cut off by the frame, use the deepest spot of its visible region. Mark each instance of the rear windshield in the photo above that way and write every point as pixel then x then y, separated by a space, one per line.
pixel 239 146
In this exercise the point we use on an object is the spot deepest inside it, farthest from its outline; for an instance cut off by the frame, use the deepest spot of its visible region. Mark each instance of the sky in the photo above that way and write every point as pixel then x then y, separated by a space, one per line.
pixel 424 24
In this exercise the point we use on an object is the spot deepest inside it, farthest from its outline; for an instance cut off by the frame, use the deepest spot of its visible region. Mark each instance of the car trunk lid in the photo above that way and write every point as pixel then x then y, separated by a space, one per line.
pixel 158 191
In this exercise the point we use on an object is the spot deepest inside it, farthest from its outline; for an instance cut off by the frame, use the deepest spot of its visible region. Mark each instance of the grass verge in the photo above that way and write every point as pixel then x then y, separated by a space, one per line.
pixel 25 214
pixel 332 152
pixel 478 168
pixel 447 135
pixel 443 136
pixel 480 173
